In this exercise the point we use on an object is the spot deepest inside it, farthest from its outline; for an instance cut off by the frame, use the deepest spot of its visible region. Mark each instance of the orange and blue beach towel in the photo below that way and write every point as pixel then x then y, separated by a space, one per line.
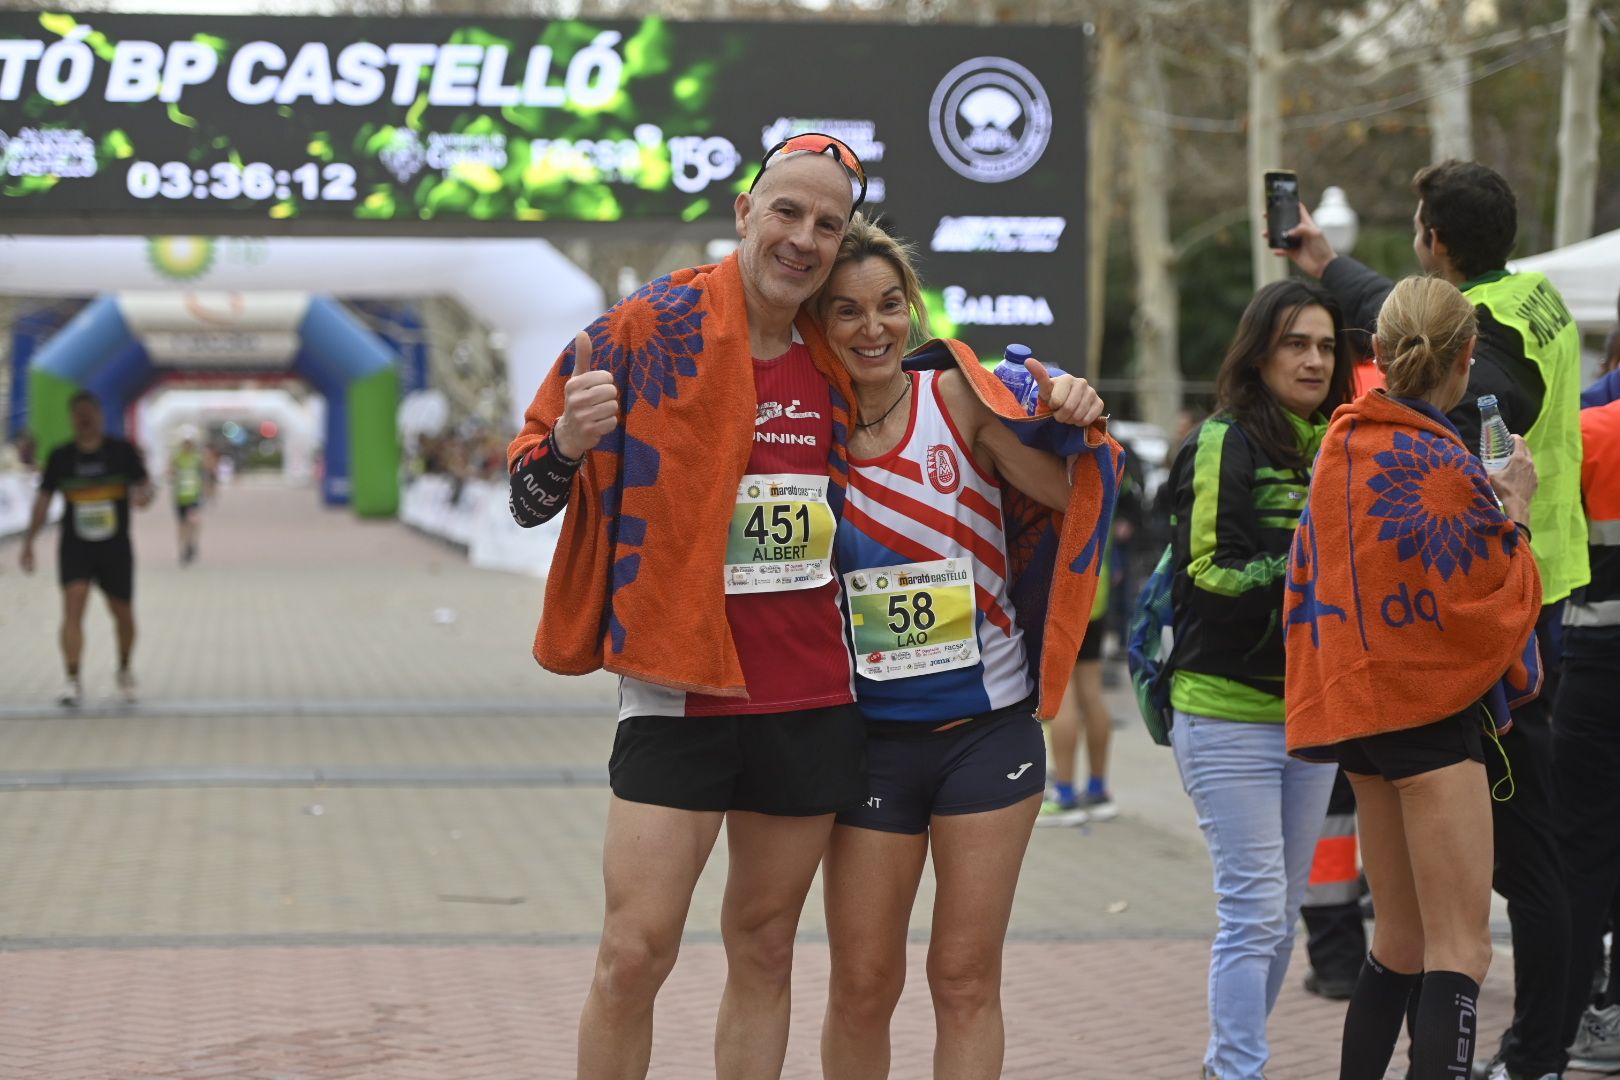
pixel 1410 595
pixel 637 585
pixel 1055 561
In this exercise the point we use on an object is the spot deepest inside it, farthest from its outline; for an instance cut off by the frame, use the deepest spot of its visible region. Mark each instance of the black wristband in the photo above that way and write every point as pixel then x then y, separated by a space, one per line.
pixel 1522 527
pixel 556 452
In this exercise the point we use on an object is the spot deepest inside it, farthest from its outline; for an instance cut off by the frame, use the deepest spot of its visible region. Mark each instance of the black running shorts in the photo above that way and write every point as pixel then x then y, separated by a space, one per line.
pixel 989 762
pixel 1091 645
pixel 1395 755
pixel 793 764
pixel 108 563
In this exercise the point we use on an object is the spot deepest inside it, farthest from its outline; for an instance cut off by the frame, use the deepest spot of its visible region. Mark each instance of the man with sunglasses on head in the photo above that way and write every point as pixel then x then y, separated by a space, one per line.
pixel 699 431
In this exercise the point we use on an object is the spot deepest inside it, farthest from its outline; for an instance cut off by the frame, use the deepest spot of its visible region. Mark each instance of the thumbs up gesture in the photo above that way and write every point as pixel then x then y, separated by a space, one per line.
pixel 590 404
pixel 1071 400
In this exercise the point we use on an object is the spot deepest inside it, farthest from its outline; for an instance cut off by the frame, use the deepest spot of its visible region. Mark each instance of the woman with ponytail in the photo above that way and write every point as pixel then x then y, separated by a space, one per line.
pixel 1411 606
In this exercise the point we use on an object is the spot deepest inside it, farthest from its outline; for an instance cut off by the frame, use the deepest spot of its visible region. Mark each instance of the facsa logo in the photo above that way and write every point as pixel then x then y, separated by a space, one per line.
pixel 942 470
pixel 967 310
pixel 990 119
pixel 1001 234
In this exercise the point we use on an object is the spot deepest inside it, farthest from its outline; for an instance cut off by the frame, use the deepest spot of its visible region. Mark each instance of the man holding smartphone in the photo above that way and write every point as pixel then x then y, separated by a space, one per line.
pixel 1529 357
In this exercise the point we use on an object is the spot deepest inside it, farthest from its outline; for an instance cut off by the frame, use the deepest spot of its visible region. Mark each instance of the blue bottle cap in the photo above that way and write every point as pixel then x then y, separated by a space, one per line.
pixel 1017 354
pixel 1487 401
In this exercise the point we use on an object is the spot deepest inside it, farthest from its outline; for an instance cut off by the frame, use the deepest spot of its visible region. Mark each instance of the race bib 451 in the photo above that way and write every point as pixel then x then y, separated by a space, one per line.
pixel 781 535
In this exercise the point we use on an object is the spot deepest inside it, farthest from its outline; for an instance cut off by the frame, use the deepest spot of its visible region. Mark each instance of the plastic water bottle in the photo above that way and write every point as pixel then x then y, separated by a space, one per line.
pixel 1495 443
pixel 1017 378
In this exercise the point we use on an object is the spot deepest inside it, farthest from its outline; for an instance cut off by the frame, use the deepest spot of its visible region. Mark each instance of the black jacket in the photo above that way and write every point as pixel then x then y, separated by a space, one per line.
pixel 1500 366
pixel 1235 511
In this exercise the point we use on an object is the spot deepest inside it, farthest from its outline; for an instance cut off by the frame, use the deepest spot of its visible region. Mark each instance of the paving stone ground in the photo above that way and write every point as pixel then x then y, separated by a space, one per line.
pixel 352 831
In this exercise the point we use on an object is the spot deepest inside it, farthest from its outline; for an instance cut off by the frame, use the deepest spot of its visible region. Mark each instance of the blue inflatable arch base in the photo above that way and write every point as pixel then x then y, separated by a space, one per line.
pixel 339 356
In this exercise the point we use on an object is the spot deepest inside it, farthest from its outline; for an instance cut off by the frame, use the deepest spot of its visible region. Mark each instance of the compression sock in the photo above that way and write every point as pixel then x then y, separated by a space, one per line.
pixel 1447 1025
pixel 1373 1021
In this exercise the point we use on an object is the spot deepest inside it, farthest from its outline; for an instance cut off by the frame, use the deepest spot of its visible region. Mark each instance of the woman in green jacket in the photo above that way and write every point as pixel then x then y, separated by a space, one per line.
pixel 1239 486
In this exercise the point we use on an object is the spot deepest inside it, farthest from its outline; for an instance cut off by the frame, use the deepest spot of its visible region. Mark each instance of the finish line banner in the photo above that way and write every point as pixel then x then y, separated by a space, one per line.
pixel 974 138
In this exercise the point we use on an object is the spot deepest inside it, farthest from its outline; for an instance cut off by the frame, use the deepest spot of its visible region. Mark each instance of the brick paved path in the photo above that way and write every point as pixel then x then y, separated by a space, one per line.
pixel 352 831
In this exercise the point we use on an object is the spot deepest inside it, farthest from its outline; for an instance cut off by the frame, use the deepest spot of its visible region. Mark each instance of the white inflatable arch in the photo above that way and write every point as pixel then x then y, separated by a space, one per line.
pixel 164 413
pixel 524 288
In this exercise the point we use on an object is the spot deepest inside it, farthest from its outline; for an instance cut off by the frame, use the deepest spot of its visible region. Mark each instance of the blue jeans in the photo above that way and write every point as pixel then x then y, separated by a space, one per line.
pixel 1261 812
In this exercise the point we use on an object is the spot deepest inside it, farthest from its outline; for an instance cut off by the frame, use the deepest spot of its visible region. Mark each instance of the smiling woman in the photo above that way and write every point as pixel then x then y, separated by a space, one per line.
pixel 1240 485
pixel 929 589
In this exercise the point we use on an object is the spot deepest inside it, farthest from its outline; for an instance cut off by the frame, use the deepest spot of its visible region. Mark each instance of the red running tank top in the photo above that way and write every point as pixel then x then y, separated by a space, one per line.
pixel 791 644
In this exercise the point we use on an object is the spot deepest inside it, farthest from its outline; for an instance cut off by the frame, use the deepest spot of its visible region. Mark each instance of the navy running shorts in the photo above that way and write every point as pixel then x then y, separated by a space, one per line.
pixel 992 761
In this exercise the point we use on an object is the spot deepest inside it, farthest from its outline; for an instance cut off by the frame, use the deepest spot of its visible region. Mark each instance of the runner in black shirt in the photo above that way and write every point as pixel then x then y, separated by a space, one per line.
pixel 99 476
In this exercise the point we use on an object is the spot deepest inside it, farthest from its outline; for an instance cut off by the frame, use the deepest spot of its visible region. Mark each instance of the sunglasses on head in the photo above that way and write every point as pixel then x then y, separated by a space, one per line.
pixel 814 142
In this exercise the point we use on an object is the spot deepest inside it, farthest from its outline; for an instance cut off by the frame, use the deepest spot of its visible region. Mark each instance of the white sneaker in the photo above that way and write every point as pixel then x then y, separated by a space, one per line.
pixel 126 686
pixel 70 694
pixel 1499 1071
pixel 1100 807
pixel 1054 813
pixel 1597 1040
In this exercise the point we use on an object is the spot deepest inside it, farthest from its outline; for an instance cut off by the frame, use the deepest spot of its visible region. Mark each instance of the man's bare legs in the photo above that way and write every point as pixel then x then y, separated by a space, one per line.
pixel 75 597
pixel 123 613
pixel 651 859
pixel 773 861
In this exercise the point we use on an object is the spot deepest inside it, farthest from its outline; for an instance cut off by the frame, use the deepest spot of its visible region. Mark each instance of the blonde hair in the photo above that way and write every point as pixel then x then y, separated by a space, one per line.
pixel 867 239
pixel 1423 325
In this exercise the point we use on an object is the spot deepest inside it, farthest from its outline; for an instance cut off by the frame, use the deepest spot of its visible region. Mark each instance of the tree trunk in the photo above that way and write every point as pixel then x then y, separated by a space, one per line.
pixel 1265 125
pixel 1100 187
pixel 1445 79
pixel 1451 126
pixel 1157 319
pixel 1578 126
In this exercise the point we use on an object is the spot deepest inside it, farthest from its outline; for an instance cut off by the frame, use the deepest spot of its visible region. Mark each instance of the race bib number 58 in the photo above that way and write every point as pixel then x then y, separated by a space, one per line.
pixel 913 619
pixel 781 535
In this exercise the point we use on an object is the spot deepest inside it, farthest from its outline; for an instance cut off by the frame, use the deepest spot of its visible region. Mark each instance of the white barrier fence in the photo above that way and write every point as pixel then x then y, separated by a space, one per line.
pixel 476 518
pixel 17 502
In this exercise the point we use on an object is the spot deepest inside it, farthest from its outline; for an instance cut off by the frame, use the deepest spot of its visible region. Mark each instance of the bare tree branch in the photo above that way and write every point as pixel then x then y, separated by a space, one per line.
pixel 1338 46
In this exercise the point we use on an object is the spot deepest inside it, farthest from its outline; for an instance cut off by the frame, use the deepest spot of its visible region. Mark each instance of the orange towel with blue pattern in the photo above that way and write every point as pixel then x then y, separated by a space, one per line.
pixel 1410 594
pixel 1054 561
pixel 637 585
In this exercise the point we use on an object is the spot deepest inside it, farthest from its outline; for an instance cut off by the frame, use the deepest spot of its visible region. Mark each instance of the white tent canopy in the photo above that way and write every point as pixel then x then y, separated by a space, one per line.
pixel 524 288
pixel 1587 274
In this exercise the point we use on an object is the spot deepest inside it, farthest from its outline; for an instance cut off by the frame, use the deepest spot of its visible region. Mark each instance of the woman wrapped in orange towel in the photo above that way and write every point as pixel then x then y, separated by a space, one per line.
pixel 1411 607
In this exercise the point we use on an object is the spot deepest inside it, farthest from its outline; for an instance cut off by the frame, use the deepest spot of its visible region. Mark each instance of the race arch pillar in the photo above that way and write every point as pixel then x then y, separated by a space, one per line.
pixel 355 371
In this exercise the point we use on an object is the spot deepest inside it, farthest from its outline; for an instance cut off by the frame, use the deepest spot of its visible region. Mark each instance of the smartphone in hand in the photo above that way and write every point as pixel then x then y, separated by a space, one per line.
pixel 1282 207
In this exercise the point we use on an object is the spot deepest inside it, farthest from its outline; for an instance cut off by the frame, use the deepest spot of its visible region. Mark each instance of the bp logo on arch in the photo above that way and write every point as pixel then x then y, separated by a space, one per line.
pixel 990 119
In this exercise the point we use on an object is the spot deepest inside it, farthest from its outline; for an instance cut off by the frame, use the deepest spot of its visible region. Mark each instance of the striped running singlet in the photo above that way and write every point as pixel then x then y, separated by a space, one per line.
pixel 923 557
